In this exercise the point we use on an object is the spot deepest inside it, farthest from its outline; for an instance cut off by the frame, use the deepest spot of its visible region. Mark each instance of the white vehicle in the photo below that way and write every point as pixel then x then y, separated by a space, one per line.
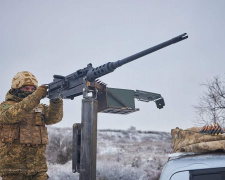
pixel 191 166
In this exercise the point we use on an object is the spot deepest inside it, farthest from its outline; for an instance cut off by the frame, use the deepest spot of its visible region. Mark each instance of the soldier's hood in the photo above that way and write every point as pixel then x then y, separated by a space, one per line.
pixel 11 97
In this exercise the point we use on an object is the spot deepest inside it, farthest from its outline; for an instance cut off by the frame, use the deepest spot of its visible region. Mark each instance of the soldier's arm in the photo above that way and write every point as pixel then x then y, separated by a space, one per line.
pixel 54 112
pixel 13 113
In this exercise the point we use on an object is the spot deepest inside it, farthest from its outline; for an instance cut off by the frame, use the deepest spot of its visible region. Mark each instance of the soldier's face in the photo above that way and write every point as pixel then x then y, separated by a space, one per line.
pixel 28 88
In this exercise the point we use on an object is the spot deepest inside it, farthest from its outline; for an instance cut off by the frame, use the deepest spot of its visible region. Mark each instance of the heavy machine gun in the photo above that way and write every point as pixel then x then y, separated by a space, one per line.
pixel 84 81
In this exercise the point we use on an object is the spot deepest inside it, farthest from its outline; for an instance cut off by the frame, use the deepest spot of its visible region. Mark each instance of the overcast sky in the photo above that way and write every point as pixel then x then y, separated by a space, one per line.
pixel 59 37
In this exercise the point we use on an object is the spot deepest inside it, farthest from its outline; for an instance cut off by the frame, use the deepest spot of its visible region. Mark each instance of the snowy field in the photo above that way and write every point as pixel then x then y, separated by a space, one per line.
pixel 121 154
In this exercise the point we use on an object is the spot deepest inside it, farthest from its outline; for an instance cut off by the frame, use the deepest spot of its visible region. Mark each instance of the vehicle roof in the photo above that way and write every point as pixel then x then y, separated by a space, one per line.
pixel 192 162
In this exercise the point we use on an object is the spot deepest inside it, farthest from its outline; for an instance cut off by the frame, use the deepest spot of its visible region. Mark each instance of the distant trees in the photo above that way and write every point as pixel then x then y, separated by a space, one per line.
pixel 211 106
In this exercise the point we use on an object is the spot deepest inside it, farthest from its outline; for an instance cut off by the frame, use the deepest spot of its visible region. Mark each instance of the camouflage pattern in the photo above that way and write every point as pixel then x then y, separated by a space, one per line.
pixel 26 160
pixel 38 176
pixel 191 140
pixel 22 79
pixel 23 135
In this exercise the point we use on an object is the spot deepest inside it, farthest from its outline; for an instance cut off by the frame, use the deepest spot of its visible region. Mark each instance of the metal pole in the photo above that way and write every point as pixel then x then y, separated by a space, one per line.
pixel 76 147
pixel 88 139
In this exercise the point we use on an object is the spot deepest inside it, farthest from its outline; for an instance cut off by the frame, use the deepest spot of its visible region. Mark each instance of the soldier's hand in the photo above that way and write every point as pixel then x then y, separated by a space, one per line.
pixel 41 91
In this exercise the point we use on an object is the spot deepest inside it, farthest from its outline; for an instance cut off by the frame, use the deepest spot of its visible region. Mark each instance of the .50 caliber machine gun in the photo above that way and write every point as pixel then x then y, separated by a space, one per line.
pixel 84 81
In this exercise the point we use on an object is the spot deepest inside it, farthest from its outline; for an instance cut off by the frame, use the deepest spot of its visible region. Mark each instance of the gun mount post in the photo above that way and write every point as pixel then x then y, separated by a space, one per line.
pixel 88 139
pixel 76 147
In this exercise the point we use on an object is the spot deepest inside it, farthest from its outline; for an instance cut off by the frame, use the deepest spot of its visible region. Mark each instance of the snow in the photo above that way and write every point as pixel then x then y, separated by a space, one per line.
pixel 61 172
pixel 121 154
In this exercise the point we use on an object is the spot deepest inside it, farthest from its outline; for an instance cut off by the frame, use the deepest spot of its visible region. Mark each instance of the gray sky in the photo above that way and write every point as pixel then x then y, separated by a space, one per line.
pixel 59 37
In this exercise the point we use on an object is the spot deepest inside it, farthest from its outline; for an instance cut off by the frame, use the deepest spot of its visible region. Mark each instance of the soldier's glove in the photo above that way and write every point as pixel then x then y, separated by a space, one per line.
pixel 56 100
pixel 41 91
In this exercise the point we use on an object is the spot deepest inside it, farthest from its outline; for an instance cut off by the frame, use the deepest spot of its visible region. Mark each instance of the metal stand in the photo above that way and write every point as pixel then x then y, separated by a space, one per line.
pixel 111 100
pixel 88 139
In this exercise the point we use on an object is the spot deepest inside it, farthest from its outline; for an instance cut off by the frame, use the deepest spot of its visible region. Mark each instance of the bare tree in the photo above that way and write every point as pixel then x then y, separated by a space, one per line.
pixel 211 106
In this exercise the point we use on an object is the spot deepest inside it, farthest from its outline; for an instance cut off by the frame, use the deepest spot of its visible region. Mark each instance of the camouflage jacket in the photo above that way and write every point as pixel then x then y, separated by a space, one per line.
pixel 23 120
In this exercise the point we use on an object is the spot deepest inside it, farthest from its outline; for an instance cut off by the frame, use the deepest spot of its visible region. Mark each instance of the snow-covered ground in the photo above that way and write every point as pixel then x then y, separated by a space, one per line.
pixel 121 154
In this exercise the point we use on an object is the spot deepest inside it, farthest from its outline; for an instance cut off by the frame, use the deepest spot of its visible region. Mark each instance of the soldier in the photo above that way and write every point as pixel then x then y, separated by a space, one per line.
pixel 23 135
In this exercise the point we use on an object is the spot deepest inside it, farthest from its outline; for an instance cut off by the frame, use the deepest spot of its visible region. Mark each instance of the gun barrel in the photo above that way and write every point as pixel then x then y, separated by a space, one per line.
pixel 111 66
pixel 150 50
